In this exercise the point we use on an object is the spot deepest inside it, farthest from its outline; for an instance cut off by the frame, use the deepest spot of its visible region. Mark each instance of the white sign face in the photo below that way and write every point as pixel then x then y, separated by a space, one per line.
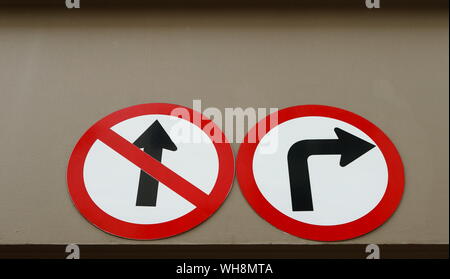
pixel 332 175
pixel 112 181
pixel 337 194
pixel 150 171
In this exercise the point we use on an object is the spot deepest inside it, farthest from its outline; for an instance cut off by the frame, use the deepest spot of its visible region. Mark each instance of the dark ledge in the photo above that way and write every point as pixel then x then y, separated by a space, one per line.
pixel 226 4
pixel 268 251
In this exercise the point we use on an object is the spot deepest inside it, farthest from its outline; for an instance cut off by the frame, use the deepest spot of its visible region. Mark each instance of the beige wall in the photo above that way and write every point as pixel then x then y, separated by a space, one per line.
pixel 61 72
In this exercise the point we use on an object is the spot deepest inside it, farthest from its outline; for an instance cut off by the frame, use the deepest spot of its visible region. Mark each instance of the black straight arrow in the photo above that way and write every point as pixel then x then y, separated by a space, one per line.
pixel 153 141
pixel 347 145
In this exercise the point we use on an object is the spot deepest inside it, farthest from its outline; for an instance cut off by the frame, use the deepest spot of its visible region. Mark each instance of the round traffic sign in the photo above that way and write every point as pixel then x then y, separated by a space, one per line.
pixel 321 173
pixel 150 171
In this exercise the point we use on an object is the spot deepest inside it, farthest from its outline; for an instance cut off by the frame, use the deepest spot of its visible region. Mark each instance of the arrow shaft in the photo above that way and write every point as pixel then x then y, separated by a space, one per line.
pixel 299 179
pixel 148 186
pixel 316 147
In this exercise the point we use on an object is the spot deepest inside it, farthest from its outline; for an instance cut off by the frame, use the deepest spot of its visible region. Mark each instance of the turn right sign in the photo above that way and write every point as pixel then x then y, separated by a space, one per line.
pixel 329 175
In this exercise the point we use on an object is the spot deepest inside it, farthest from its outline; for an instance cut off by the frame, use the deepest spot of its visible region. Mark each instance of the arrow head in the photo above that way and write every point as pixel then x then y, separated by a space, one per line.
pixel 155 137
pixel 352 147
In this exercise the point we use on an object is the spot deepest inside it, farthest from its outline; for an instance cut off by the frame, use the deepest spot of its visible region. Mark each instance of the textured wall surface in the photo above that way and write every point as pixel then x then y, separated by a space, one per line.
pixel 61 72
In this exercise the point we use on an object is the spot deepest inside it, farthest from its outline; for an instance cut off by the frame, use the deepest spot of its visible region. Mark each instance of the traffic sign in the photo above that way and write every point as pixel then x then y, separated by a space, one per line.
pixel 329 175
pixel 144 173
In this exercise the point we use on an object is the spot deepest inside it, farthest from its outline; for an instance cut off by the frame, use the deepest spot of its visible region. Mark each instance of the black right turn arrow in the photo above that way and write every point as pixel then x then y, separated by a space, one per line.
pixel 347 145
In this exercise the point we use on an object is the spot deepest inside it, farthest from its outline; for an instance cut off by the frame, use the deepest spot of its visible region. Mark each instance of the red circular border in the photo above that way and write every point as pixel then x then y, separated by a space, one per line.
pixel 109 224
pixel 363 225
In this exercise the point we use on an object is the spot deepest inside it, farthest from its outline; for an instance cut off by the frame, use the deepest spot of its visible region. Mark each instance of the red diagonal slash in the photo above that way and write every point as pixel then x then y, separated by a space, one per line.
pixel 154 168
